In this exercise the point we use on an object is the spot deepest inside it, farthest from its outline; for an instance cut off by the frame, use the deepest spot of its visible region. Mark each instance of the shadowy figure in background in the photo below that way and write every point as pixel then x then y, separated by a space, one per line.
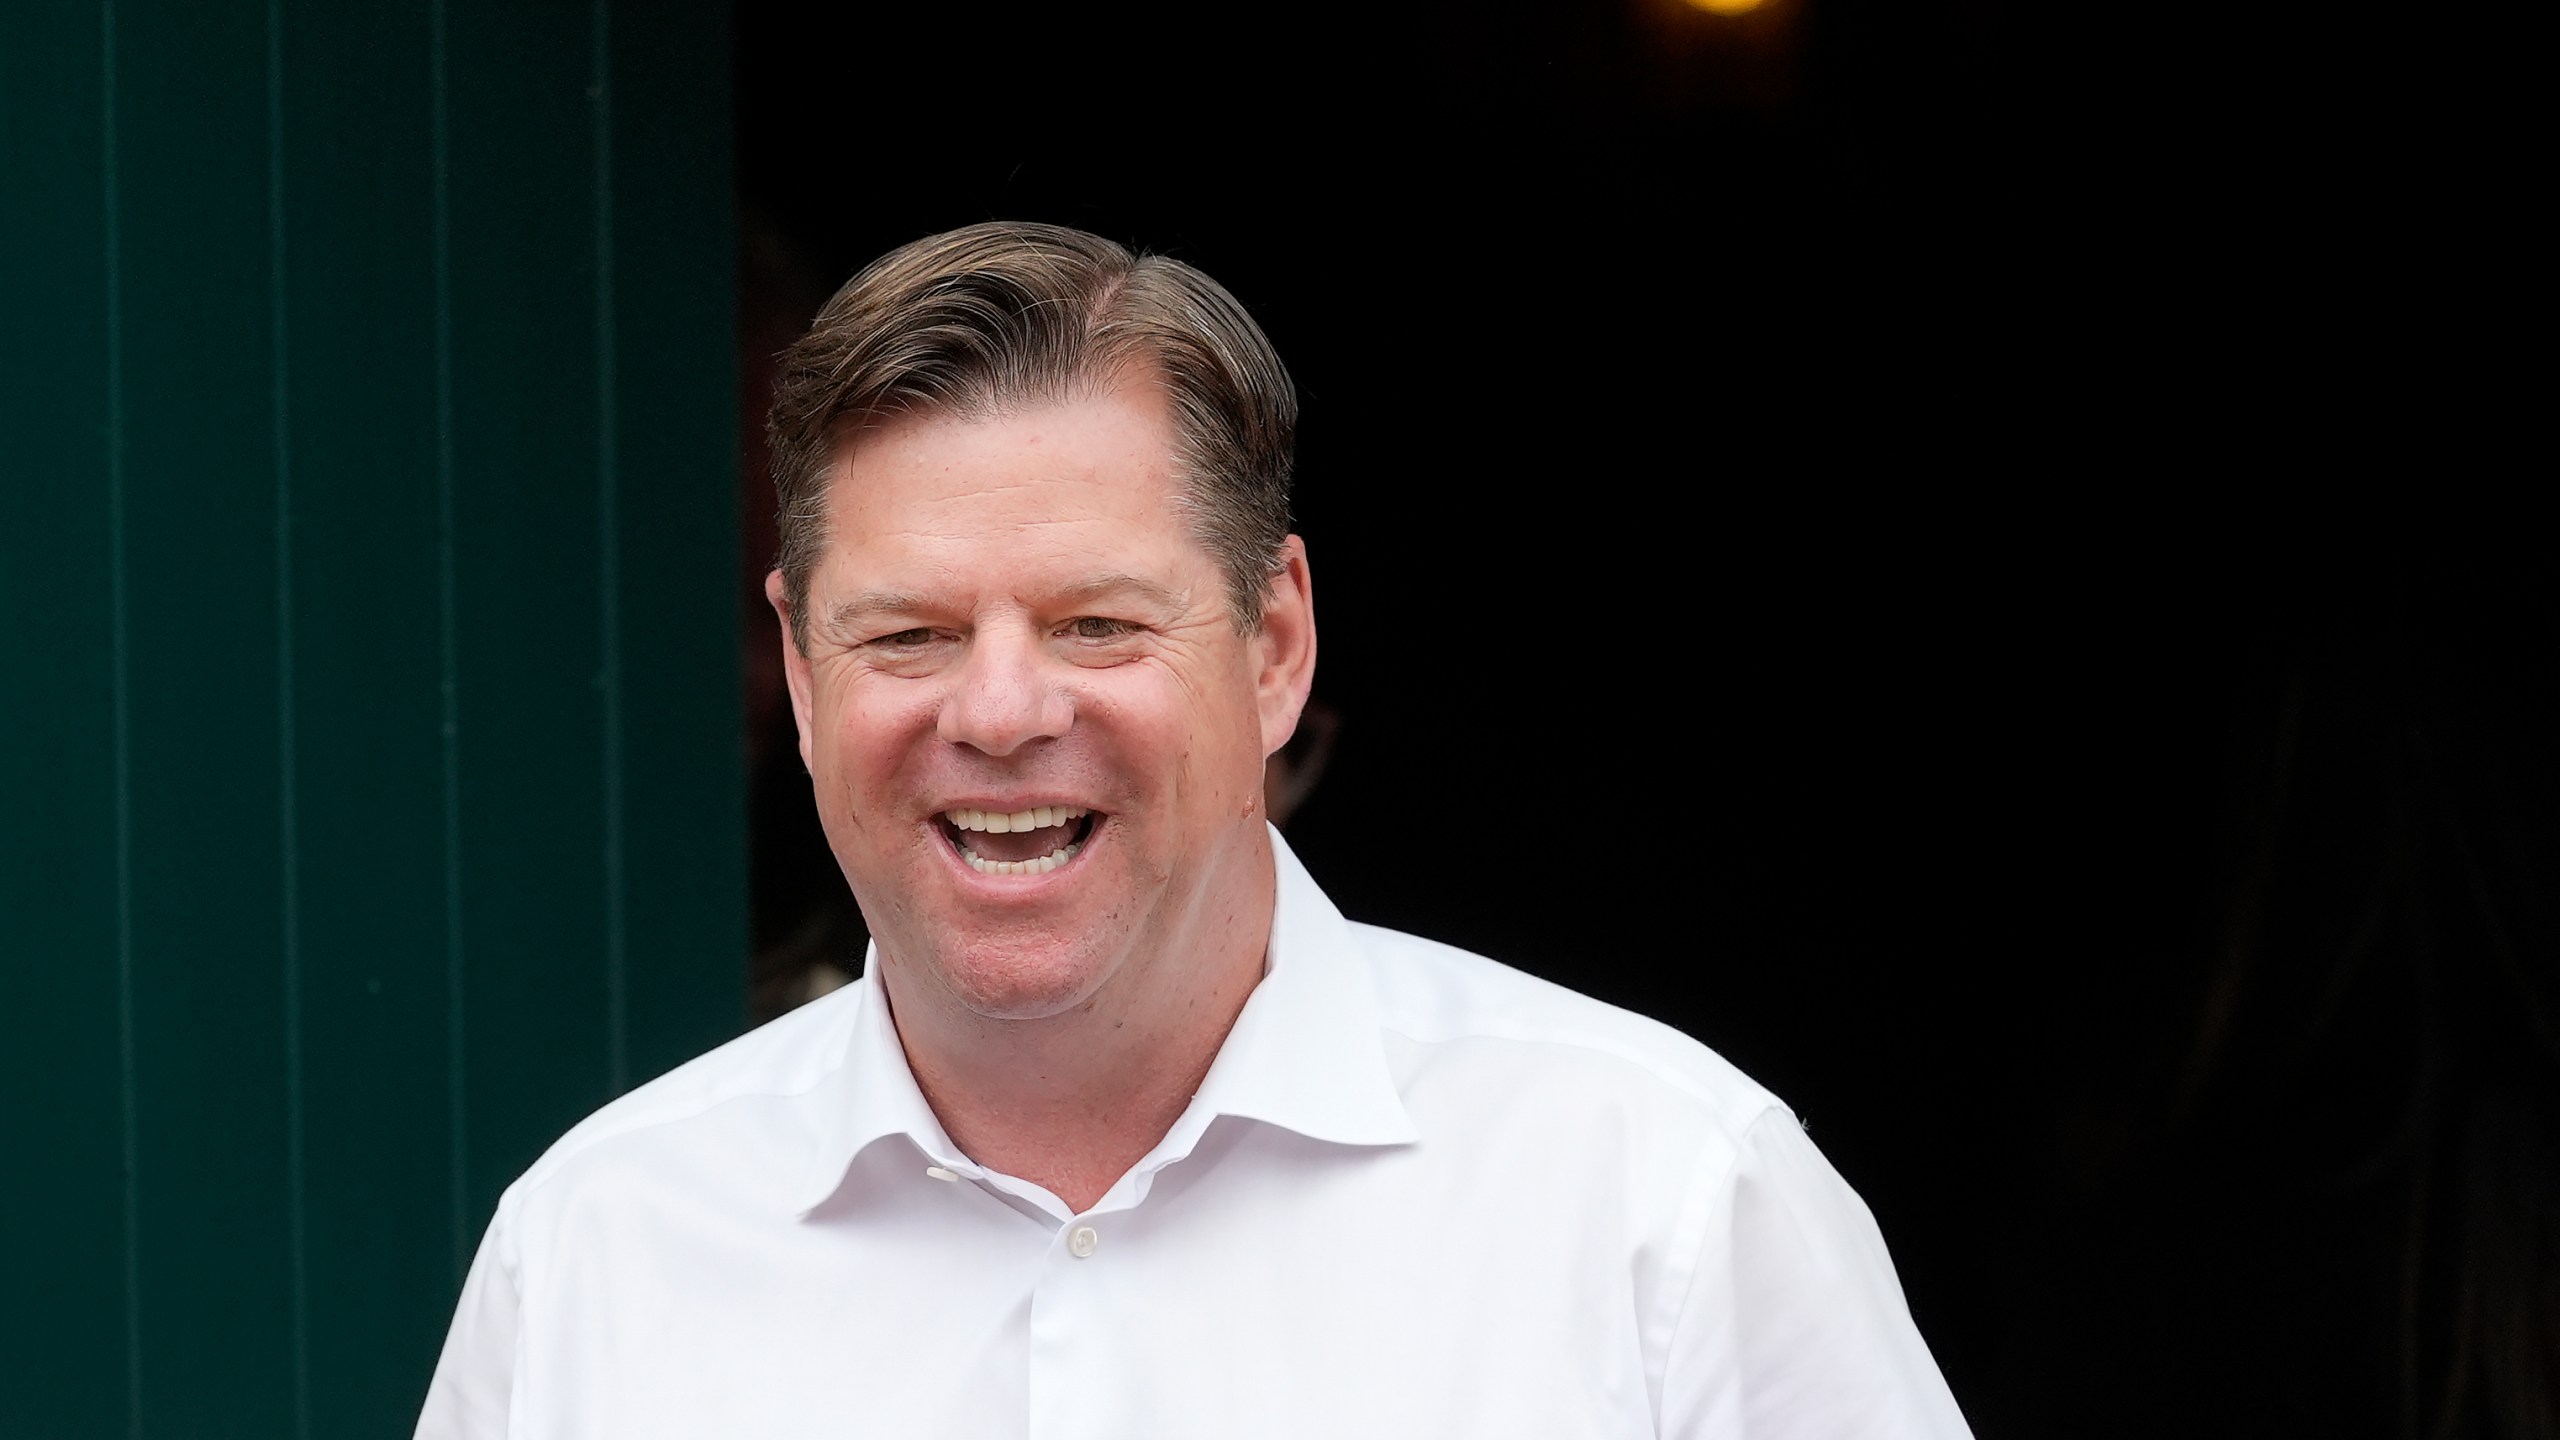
pixel 2338 1211
pixel 2391 939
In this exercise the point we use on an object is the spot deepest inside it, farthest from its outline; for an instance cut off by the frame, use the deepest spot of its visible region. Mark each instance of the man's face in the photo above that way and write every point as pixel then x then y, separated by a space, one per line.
pixel 1012 616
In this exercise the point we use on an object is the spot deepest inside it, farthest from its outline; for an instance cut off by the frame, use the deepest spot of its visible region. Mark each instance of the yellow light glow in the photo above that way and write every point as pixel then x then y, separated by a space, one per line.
pixel 1726 7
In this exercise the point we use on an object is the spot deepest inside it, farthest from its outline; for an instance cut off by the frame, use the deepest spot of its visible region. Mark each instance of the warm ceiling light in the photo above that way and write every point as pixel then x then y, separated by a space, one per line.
pixel 1726 7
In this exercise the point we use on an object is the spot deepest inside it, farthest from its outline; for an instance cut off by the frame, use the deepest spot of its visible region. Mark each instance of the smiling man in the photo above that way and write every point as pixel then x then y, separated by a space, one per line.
pixel 1125 1131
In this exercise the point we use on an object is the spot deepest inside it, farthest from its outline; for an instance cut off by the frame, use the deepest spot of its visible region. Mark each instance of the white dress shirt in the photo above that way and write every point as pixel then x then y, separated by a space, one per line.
pixel 1419 1194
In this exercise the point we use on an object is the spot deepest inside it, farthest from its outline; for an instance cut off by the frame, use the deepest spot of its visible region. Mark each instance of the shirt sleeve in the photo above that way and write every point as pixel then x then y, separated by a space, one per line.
pixel 475 1378
pixel 1794 1326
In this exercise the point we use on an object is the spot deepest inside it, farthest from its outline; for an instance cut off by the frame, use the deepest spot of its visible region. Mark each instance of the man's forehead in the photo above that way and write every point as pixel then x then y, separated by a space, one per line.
pixel 1103 457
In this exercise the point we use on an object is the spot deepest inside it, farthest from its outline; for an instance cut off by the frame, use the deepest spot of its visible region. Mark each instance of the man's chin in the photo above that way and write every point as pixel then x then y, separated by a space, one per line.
pixel 1019 983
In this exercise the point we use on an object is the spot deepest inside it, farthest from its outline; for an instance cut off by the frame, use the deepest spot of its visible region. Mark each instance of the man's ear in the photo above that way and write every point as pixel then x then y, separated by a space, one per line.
pixel 1285 647
pixel 795 665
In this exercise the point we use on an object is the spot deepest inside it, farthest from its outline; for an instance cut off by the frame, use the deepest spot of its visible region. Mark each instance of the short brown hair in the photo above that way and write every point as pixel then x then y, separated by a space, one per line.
pixel 988 317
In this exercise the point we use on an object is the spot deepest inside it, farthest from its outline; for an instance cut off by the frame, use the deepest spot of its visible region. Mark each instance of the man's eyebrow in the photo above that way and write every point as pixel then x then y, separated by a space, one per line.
pixel 869 603
pixel 1116 583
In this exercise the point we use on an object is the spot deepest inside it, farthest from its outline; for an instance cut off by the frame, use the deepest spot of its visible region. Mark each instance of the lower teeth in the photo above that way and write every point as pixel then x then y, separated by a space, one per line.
pixel 1040 866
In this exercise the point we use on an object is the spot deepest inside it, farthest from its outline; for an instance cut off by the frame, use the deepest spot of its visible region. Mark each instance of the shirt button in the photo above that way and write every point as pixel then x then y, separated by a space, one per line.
pixel 1082 1242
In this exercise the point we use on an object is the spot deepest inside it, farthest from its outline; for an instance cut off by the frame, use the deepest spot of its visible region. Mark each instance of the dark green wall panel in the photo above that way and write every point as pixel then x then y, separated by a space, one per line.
pixel 530 671
pixel 213 1085
pixel 357 110
pixel 370 803
pixel 63 1227
pixel 670 68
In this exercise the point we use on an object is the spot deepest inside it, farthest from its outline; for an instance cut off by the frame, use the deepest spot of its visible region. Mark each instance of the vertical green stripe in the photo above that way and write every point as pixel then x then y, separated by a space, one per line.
pixel 65 1179
pixel 288 833
pixel 609 566
pixel 448 645
pixel 129 1086
pixel 531 675
pixel 369 756
pixel 211 1054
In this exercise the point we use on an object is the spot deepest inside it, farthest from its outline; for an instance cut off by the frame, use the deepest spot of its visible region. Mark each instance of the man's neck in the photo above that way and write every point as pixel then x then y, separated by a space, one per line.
pixel 1073 1101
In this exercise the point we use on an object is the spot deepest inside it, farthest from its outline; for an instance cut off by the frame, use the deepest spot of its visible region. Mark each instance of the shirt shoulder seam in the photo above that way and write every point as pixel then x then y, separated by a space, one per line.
pixel 1680 1273
pixel 571 1146
pixel 1692 1086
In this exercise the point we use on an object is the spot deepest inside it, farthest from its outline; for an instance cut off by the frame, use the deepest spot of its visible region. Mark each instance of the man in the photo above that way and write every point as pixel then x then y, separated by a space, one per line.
pixel 1125 1131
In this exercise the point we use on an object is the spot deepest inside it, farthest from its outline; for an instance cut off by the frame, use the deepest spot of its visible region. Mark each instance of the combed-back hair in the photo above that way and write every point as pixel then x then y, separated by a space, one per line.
pixel 988 318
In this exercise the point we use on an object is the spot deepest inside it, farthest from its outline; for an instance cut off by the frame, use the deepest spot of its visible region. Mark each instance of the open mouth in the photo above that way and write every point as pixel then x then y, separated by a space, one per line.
pixel 1019 842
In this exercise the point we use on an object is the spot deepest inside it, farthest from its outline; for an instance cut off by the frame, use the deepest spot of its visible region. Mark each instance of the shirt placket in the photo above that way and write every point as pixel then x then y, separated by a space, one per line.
pixel 1075 1369
pixel 1089 1287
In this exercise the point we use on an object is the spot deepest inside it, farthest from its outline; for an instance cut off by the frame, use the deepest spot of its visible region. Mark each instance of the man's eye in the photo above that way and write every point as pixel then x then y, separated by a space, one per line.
pixel 907 639
pixel 1095 627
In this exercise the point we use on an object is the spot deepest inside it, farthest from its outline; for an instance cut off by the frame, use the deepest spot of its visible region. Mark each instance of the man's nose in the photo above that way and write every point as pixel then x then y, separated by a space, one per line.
pixel 1005 694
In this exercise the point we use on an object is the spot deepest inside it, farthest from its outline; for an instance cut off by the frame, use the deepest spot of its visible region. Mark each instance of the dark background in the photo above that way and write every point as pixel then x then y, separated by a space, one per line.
pixel 1818 541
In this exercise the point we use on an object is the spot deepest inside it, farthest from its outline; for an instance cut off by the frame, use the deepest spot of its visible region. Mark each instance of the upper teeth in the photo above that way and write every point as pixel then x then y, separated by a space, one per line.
pixel 998 822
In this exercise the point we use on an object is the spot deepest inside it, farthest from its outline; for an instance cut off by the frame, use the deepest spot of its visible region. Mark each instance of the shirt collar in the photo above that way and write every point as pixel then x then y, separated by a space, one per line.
pixel 1304 1054
pixel 871 1096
